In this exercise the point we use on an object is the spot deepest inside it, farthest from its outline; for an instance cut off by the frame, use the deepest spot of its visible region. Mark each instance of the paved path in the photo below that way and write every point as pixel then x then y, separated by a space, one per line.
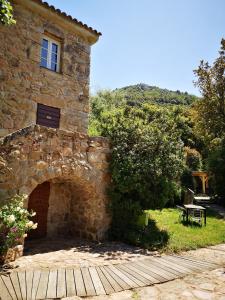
pixel 220 210
pixel 98 280
pixel 63 253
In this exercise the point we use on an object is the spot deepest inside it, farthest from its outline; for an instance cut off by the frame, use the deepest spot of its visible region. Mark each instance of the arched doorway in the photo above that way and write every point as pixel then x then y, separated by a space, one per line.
pixel 68 206
pixel 39 202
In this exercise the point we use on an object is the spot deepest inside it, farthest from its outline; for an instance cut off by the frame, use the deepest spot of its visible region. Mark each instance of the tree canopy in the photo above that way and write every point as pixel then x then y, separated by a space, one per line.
pixel 210 117
pixel 147 156
pixel 142 93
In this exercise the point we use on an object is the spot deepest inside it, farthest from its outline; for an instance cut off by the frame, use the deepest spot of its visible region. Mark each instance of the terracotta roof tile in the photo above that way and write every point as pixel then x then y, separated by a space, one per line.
pixel 63 14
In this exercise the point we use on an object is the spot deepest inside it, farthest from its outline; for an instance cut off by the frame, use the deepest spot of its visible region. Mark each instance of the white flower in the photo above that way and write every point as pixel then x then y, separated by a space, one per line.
pixel 21 204
pixel 33 214
pixel 30 224
pixel 22 211
pixel 18 208
pixel 35 226
pixel 25 235
pixel 11 219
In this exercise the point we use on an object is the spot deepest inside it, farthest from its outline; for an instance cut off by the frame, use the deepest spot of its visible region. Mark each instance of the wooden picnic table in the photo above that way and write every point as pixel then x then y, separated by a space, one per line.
pixel 193 207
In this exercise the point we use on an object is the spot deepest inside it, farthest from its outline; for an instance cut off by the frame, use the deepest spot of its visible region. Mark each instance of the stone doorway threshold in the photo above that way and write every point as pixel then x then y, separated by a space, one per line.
pixel 98 280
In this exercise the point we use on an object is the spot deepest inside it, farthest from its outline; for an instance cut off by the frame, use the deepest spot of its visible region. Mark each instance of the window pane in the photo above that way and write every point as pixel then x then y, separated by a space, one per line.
pixel 45 43
pixel 53 66
pixel 44 62
pixel 44 53
pixel 49 54
pixel 54 48
pixel 54 58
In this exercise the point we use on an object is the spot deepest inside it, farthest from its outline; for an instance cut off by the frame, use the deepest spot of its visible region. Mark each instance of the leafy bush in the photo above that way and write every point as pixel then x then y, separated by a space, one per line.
pixel 124 217
pixel 193 162
pixel 147 157
pixel 193 159
pixel 210 120
pixel 187 179
pixel 125 224
pixel 14 223
pixel 6 10
pixel 153 238
pixel 186 182
pixel 216 165
pixel 147 160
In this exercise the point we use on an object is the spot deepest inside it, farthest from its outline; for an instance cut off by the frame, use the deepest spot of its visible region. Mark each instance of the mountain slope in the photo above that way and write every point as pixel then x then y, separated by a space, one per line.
pixel 139 93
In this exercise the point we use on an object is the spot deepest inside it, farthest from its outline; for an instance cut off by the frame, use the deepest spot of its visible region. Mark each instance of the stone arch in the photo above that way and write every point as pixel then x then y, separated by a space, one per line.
pixel 80 167
pixel 76 206
pixel 46 173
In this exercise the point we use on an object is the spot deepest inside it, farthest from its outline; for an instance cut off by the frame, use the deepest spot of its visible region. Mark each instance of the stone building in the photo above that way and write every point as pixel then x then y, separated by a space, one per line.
pixel 45 151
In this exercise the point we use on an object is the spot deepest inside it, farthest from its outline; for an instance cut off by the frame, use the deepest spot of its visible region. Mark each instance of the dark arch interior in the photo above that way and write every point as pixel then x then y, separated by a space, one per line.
pixel 39 202
pixel 66 207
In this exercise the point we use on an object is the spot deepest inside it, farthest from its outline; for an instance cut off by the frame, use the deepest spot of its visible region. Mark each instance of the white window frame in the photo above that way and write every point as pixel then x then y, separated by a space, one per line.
pixel 50 42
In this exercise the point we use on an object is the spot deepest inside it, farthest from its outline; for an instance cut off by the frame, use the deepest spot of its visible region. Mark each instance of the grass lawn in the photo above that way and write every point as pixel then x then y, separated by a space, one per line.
pixel 169 235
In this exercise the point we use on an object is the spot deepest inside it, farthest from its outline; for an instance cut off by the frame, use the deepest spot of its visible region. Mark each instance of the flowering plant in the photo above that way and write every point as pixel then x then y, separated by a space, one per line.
pixel 14 223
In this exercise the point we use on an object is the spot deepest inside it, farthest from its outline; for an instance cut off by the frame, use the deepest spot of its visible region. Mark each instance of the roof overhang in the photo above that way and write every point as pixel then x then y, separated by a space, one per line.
pixel 199 173
pixel 60 18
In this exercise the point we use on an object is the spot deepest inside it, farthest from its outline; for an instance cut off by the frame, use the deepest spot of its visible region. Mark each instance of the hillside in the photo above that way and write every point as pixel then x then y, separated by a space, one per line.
pixel 139 93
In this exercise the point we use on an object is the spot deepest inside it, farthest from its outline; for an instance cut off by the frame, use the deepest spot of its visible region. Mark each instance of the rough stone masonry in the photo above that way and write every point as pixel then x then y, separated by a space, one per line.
pixel 74 165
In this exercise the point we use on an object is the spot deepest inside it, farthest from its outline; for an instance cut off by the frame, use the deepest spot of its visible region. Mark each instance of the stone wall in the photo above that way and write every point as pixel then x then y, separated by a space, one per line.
pixel 23 83
pixel 76 166
pixel 59 211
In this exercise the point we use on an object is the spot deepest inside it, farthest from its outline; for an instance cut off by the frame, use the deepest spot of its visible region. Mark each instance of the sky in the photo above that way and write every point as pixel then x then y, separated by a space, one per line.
pixel 157 42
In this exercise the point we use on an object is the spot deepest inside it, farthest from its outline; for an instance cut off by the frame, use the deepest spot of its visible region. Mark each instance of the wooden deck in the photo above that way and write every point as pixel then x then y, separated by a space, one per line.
pixel 101 280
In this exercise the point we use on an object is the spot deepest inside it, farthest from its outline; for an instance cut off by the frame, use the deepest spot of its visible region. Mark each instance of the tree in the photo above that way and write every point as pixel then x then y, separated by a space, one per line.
pixel 216 165
pixel 146 163
pixel 147 156
pixel 210 116
pixel 6 13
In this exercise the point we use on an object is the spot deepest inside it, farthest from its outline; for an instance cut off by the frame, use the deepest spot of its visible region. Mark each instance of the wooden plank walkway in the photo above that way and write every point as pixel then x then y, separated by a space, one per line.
pixel 101 280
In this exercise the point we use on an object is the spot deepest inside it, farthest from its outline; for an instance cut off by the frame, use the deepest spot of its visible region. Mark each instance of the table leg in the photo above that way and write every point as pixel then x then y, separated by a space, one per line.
pixel 187 215
pixel 205 216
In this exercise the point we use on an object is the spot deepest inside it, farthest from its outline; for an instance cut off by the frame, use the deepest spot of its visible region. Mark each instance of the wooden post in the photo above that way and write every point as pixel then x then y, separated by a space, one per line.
pixel 203 177
pixel 203 184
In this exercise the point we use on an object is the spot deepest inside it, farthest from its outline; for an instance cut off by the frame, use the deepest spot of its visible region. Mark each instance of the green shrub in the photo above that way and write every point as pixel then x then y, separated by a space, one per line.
pixel 125 213
pixel 6 13
pixel 187 179
pixel 147 160
pixel 193 159
pixel 216 166
pixel 147 157
pixel 14 223
pixel 152 237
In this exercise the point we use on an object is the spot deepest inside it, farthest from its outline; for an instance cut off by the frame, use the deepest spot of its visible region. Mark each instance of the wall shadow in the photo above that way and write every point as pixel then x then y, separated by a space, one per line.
pixel 107 250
